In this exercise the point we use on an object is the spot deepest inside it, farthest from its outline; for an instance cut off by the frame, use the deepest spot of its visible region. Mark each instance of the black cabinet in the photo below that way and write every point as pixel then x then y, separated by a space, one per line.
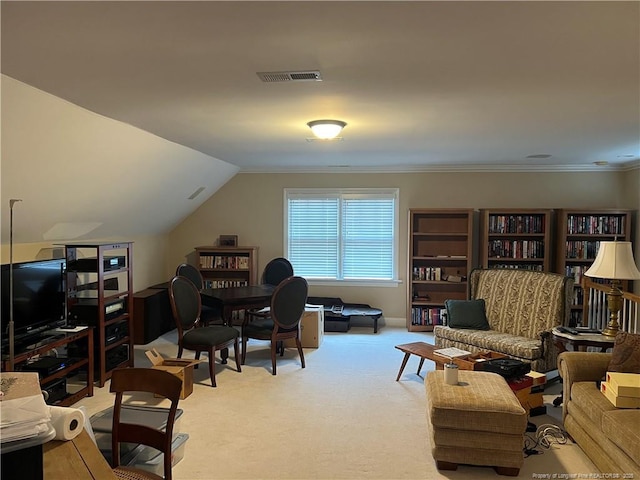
pixel 151 315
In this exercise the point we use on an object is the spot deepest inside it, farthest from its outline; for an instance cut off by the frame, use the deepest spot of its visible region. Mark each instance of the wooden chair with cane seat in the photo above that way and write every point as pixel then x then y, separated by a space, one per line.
pixel 186 306
pixel 287 306
pixel 149 380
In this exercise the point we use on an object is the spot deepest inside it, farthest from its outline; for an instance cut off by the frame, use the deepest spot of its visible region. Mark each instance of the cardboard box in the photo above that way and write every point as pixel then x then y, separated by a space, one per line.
pixel 536 400
pixel 311 328
pixel 624 384
pixel 618 401
pixel 523 397
pixel 180 367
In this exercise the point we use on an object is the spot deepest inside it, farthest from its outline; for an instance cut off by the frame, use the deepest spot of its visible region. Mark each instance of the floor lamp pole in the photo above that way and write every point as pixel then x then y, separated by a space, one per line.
pixel 11 333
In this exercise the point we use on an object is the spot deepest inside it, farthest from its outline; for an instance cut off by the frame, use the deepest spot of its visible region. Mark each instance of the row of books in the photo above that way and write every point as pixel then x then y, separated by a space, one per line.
pixel 427 273
pixel 596 224
pixel 516 249
pixel 578 296
pixel 428 316
pixel 575 271
pixel 224 283
pixel 516 224
pixel 582 249
pixel 519 266
pixel 223 261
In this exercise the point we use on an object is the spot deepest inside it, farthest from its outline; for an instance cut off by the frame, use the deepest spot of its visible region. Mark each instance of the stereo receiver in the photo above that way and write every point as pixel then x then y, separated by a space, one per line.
pixel 85 312
pixel 109 263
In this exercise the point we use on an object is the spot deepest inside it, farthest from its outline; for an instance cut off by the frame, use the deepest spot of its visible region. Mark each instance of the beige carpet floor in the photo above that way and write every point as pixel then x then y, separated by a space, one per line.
pixel 342 417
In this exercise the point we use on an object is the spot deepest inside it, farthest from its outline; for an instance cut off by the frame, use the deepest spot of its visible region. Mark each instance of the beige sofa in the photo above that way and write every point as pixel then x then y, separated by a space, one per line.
pixel 609 436
pixel 522 307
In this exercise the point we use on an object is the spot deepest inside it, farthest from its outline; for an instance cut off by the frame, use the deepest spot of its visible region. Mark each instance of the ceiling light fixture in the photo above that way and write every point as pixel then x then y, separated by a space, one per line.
pixel 326 129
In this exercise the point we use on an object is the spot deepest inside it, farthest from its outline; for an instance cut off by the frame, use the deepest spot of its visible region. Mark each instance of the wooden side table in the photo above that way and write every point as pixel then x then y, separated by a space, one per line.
pixel 579 342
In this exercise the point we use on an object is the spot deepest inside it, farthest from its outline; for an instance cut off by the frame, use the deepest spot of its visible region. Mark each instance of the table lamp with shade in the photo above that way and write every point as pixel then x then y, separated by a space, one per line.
pixel 614 262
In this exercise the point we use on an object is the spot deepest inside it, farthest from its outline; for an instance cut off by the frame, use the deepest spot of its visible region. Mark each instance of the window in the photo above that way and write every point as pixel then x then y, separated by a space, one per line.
pixel 344 235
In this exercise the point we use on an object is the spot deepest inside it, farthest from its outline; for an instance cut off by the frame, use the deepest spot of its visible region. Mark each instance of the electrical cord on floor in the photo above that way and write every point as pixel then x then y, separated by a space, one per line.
pixel 546 435
pixel 549 433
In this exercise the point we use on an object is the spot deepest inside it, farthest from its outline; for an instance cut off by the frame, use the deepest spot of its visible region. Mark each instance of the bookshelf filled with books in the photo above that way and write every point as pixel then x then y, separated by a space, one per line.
pixel 579 233
pixel 225 267
pixel 439 260
pixel 516 238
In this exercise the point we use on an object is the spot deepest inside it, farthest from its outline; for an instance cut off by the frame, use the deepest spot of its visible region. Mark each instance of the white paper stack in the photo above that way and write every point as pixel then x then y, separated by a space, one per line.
pixel 452 352
pixel 23 411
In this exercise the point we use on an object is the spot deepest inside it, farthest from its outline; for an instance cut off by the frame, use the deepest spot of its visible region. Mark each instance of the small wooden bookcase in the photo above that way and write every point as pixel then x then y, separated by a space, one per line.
pixel 224 267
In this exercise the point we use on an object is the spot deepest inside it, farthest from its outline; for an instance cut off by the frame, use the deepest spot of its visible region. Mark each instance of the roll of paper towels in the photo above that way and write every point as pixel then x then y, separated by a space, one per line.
pixel 67 422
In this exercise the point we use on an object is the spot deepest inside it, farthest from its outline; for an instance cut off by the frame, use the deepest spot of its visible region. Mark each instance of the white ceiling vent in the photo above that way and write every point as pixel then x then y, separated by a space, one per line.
pixel 305 76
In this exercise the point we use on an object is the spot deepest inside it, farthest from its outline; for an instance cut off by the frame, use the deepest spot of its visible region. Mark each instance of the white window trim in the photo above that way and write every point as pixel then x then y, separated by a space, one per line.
pixel 395 281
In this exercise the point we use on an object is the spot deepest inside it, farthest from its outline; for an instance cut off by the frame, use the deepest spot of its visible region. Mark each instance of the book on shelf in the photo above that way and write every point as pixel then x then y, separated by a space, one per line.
pixel 452 352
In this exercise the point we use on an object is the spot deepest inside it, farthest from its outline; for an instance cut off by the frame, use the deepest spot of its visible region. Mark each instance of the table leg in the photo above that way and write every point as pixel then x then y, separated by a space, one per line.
pixel 420 365
pixel 404 363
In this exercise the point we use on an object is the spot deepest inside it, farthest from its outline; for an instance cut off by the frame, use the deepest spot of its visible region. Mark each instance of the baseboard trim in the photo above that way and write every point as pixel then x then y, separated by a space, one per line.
pixel 395 322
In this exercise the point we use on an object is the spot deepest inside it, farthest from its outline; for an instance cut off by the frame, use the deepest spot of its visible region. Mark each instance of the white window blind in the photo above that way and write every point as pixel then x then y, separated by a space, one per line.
pixel 342 235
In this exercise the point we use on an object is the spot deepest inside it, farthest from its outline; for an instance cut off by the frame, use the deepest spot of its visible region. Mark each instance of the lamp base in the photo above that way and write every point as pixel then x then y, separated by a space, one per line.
pixel 611 331
pixel 614 302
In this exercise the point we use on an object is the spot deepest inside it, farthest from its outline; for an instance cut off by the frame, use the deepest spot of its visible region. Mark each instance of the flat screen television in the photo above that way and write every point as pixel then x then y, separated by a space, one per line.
pixel 38 298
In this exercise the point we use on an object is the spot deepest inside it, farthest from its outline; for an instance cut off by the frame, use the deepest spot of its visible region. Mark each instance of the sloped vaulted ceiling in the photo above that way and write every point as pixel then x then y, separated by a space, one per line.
pixel 81 175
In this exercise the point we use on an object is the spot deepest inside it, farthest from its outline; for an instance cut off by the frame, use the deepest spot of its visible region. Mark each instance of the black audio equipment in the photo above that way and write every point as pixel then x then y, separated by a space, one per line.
pixel 115 332
pixel 507 367
pixel 109 263
pixel 55 390
pixel 116 356
pixel 45 366
pixel 85 312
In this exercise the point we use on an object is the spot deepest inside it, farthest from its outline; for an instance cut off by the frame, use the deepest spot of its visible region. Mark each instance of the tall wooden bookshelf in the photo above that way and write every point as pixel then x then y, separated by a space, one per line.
pixel 439 260
pixel 224 267
pixel 516 238
pixel 579 234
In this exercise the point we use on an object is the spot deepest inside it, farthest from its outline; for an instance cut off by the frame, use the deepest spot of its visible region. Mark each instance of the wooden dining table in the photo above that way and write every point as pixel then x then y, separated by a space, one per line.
pixel 233 299
pixel 77 459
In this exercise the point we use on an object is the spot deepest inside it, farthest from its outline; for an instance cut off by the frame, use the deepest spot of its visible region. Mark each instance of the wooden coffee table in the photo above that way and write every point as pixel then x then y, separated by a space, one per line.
pixel 426 350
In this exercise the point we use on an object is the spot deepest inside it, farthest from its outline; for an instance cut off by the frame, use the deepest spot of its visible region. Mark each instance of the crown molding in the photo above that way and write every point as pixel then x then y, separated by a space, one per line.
pixel 449 168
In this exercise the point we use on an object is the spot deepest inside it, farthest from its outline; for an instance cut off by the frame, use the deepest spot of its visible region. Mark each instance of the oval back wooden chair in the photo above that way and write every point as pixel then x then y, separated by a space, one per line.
pixel 287 306
pixel 186 306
